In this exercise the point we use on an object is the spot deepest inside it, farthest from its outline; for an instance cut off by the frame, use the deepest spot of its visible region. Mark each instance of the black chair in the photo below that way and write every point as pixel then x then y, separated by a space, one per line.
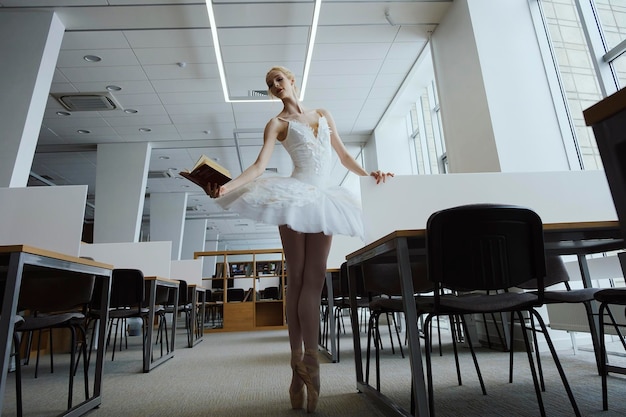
pixel 384 281
pixel 235 294
pixel 271 293
pixel 184 307
pixel 480 251
pixel 556 274
pixel 54 302
pixel 608 297
pixel 213 310
pixel 127 300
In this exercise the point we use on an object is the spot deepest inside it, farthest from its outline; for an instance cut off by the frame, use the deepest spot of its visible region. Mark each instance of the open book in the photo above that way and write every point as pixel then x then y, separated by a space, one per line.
pixel 206 171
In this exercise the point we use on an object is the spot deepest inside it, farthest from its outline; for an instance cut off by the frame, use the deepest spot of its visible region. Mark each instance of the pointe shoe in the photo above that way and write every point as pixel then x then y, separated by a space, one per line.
pixel 310 374
pixel 296 396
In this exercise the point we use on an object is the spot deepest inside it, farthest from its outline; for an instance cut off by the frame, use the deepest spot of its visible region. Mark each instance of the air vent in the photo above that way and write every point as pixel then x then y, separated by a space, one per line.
pixel 257 93
pixel 160 174
pixel 275 170
pixel 87 101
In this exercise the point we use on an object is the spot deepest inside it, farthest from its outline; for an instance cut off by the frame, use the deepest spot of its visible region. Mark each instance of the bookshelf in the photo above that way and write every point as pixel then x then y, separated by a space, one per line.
pixel 252 287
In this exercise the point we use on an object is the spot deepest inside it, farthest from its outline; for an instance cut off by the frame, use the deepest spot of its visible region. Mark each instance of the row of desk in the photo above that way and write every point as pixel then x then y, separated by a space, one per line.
pixel 404 246
pixel 17 260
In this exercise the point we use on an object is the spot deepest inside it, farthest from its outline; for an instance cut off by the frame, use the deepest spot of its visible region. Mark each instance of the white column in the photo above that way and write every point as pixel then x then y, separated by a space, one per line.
pixel 496 106
pixel 29 46
pixel 167 219
pixel 194 236
pixel 212 244
pixel 121 176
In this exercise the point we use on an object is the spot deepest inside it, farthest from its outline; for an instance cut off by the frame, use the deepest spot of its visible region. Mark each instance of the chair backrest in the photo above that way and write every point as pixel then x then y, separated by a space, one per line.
pixel 556 273
pixel 49 292
pixel 384 279
pixel 127 288
pixel 183 294
pixel 485 247
pixel 235 294
pixel 344 284
pixel 271 293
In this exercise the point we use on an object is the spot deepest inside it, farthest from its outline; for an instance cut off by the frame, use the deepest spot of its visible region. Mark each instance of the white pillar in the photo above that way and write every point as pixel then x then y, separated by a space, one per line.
pixel 121 176
pixel 194 236
pixel 212 244
pixel 29 46
pixel 167 219
pixel 496 106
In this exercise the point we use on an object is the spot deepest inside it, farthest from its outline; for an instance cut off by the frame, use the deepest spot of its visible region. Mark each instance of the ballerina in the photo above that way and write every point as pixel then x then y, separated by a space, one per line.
pixel 306 209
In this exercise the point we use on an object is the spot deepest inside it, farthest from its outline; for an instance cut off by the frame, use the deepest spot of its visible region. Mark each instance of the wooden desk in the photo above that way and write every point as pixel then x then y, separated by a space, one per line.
pixel 198 305
pixel 16 260
pixel 402 246
pixel 149 362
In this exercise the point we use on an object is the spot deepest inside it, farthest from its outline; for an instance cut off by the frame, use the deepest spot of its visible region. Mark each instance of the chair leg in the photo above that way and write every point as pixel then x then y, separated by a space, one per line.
pixel 511 348
pixel 557 362
pixel 83 352
pixel 370 334
pixel 473 353
pixel 531 364
pixel 429 369
pixel 72 359
pixel 536 344
pixel 395 326
pixel 338 335
pixel 18 374
pixel 603 367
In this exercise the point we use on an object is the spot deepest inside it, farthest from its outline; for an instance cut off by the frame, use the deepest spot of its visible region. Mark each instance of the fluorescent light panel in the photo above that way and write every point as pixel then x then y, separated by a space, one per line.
pixel 220 62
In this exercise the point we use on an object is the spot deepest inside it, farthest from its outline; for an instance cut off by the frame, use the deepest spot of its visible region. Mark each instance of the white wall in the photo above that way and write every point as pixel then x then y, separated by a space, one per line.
pixel 497 112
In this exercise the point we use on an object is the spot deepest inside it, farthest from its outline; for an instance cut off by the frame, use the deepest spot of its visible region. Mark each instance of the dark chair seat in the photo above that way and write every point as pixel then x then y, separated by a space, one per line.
pixel 477 303
pixel 48 321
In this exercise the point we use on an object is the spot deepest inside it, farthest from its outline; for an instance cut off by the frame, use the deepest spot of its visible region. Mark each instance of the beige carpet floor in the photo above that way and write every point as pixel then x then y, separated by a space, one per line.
pixel 247 374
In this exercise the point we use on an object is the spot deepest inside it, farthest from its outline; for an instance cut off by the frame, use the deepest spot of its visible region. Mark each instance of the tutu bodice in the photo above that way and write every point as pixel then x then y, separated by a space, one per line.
pixel 304 201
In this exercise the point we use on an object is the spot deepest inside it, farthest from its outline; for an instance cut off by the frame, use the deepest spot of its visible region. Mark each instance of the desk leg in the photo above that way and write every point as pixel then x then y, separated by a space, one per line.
pixel 594 319
pixel 174 322
pixel 198 305
pixel 102 334
pixel 147 347
pixel 334 353
pixel 415 351
pixel 9 306
pixel 356 328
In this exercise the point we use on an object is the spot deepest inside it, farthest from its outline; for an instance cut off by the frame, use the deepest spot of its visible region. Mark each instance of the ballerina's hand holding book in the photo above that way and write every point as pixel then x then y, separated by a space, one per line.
pixel 206 171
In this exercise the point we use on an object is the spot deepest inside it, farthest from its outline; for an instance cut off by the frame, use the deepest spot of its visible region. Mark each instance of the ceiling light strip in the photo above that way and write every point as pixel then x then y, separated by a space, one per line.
pixel 220 62
pixel 309 50
pixel 216 46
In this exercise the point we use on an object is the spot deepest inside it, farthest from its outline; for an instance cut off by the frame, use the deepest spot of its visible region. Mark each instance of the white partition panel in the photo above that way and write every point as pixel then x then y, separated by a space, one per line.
pixel 152 258
pixel 45 217
pixel 189 270
pixel 406 202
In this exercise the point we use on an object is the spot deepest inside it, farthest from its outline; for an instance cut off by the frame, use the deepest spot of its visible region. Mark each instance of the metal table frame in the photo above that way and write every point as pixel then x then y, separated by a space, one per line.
pixel 404 245
pixel 18 259
pixel 198 302
pixel 149 362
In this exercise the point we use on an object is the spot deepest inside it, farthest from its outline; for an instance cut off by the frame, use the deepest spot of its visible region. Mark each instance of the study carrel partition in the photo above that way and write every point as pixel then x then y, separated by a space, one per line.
pixel 44 217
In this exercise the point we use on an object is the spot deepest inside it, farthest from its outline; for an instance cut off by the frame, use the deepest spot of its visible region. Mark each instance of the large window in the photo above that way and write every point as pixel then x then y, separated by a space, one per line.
pixel 424 131
pixel 587 39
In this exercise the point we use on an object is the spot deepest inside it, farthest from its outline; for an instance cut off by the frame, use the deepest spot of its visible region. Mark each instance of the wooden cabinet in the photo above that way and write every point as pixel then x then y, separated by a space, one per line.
pixel 250 286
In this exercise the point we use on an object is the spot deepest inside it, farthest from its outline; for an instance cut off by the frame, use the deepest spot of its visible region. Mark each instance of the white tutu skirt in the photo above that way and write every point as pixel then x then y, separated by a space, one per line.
pixel 303 207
